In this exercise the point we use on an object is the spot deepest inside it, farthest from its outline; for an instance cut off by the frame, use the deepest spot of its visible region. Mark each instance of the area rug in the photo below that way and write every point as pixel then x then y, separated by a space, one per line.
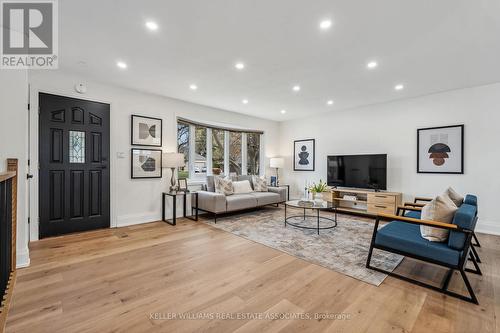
pixel 343 249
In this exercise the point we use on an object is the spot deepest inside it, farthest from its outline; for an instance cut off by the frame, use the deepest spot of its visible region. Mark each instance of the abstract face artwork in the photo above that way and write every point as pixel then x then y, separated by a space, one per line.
pixel 439 153
pixel 440 149
pixel 303 155
pixel 146 131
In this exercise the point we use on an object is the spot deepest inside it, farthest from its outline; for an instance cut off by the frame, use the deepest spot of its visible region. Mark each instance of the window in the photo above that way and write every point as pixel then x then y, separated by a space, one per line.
pixel 76 147
pixel 218 151
pixel 253 153
pixel 200 150
pixel 235 152
pixel 183 147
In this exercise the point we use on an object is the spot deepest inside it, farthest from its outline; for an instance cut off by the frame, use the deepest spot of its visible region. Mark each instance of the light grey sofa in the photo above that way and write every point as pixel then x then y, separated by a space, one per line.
pixel 217 203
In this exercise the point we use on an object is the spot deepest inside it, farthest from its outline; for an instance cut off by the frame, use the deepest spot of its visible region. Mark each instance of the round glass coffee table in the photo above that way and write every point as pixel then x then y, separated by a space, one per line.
pixel 322 222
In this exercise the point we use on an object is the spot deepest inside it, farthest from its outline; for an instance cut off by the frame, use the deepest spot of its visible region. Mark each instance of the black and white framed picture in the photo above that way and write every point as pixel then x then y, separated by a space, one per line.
pixel 303 155
pixel 146 163
pixel 440 149
pixel 146 131
pixel 274 182
pixel 183 185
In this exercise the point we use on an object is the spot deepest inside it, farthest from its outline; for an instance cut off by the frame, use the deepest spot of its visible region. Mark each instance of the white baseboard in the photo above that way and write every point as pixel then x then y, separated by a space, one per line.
pixel 133 219
pixel 23 258
pixel 488 227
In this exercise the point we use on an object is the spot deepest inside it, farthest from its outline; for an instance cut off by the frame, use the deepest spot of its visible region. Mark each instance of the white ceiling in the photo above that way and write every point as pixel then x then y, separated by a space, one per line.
pixel 427 45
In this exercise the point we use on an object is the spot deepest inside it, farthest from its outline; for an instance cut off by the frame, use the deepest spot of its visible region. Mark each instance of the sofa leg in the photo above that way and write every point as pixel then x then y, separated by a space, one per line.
pixel 215 218
pixel 473 298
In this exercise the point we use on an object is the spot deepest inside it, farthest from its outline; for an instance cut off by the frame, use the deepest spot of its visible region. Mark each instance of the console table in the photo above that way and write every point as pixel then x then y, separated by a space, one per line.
pixel 367 202
pixel 174 195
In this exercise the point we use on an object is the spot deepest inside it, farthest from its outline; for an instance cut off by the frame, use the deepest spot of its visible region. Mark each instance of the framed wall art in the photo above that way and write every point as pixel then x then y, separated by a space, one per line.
pixel 440 149
pixel 146 131
pixel 146 163
pixel 303 155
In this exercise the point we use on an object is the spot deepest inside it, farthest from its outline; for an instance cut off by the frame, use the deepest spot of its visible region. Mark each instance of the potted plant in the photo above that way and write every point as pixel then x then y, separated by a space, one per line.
pixel 319 188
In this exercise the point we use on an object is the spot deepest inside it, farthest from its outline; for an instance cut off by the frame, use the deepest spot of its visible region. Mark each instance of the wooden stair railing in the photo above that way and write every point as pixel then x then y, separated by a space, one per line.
pixel 8 227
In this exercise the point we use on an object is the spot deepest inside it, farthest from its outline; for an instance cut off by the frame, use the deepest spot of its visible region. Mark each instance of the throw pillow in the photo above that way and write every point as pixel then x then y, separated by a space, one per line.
pixel 440 209
pixel 242 187
pixel 259 184
pixel 454 196
pixel 223 185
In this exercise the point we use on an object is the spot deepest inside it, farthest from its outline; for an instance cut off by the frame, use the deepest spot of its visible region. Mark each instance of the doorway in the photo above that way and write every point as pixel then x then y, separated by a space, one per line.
pixel 74 175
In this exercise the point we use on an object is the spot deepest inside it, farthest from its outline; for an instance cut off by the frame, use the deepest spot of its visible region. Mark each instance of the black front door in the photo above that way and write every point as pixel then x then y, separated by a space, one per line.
pixel 74 165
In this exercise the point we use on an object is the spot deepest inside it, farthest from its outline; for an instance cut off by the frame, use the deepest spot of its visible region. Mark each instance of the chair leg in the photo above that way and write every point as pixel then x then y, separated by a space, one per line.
pixel 447 279
pixel 473 298
pixel 476 240
pixel 475 254
pixel 476 266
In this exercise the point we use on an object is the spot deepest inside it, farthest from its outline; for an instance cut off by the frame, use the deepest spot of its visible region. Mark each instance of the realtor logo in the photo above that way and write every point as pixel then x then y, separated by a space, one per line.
pixel 29 34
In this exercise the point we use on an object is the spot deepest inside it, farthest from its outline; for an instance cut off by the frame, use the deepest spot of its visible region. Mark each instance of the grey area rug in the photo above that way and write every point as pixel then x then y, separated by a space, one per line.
pixel 343 249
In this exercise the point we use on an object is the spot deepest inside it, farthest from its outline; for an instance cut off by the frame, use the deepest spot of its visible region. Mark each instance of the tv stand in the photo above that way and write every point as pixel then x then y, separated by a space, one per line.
pixel 368 202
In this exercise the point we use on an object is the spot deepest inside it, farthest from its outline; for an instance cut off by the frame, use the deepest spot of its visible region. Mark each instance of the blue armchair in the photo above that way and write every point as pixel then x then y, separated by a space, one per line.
pixel 402 236
pixel 413 210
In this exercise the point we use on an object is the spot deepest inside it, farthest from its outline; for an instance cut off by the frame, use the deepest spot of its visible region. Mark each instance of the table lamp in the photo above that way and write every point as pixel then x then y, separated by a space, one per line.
pixel 173 161
pixel 278 163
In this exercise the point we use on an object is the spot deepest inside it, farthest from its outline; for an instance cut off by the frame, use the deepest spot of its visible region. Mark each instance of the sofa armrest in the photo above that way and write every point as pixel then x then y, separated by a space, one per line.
pixel 211 202
pixel 280 190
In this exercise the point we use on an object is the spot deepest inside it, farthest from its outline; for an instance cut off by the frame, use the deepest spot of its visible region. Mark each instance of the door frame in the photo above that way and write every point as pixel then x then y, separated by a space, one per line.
pixel 34 158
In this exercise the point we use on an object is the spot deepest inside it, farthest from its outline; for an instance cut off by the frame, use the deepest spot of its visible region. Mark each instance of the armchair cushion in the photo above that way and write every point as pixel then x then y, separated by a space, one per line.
pixel 406 237
pixel 413 215
pixel 470 200
pixel 465 217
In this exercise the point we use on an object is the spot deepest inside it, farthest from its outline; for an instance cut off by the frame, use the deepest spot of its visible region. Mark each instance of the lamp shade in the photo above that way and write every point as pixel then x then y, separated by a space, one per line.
pixel 172 160
pixel 277 162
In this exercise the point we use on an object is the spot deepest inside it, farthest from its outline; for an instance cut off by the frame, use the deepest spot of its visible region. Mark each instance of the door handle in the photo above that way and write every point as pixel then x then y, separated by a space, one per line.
pixel 29 176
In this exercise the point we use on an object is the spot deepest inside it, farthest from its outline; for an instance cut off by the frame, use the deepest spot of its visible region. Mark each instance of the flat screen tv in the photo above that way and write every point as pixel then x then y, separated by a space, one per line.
pixel 359 171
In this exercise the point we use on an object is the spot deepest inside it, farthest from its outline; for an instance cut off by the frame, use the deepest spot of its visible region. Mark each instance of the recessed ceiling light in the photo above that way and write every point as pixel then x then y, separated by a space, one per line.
pixel 283 111
pixel 151 25
pixel 121 64
pixel 372 65
pixel 325 24
pixel 245 101
pixel 296 88
pixel 330 102
pixel 399 87
pixel 239 65
pixel 193 86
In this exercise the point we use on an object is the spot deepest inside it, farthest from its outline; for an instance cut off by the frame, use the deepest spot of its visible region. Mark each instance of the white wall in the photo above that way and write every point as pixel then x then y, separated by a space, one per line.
pixel 14 143
pixel 392 128
pixel 139 200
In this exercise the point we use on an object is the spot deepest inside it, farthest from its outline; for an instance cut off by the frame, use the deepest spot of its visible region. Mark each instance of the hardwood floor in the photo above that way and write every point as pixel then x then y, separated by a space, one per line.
pixel 132 279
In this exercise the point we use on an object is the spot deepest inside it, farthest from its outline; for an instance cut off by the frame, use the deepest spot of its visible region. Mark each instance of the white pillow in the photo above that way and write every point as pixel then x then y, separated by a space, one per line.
pixel 457 199
pixel 440 209
pixel 242 187
pixel 223 185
